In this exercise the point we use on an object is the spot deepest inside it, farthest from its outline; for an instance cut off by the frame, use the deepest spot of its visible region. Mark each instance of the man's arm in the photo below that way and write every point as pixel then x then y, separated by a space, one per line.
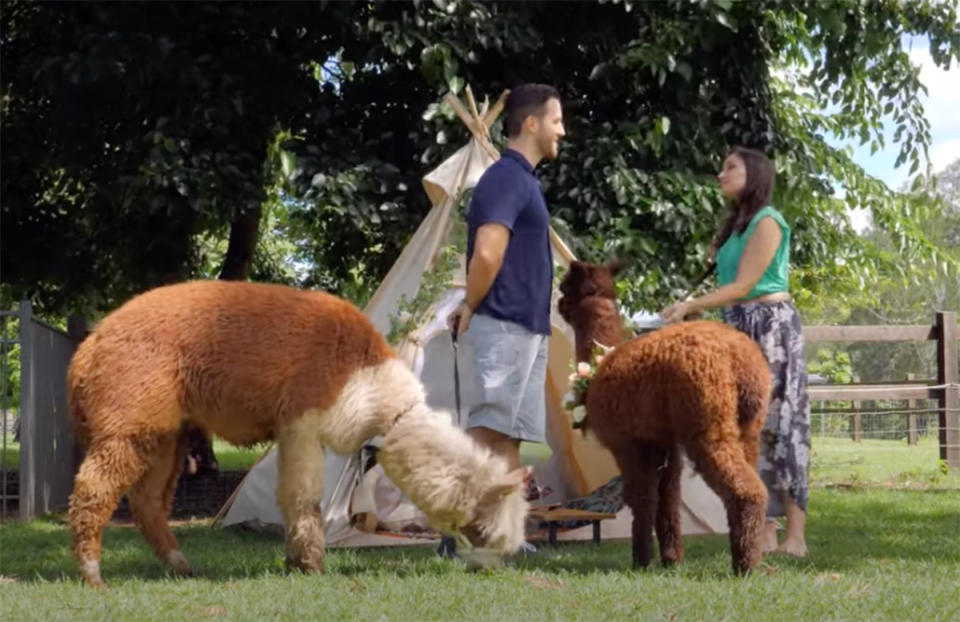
pixel 488 250
pixel 489 247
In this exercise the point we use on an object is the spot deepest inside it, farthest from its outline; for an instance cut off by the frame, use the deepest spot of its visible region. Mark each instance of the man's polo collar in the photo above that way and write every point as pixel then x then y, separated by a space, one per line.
pixel 513 154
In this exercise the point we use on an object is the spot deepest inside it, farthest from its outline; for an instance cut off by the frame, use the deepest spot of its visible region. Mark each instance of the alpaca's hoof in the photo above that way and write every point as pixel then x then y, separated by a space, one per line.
pixel 670 556
pixel 91 574
pixel 179 564
pixel 306 565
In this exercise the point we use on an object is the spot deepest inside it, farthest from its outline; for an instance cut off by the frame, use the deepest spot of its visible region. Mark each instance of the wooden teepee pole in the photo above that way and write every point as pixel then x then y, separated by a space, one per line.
pixel 478 126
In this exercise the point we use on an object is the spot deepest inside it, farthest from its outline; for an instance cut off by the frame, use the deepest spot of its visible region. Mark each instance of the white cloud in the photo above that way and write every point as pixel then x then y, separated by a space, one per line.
pixel 942 101
pixel 944 153
pixel 860 219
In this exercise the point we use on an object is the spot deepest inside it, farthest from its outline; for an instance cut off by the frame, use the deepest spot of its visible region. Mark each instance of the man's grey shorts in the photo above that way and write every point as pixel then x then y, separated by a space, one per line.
pixel 510 368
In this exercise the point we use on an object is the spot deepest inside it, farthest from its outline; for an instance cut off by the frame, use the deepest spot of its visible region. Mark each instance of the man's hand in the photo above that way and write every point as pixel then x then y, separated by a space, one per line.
pixel 459 320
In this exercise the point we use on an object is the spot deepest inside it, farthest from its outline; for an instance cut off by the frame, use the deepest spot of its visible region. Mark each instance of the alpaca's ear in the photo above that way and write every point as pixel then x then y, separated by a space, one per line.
pixel 512 482
pixel 616 265
pixel 605 350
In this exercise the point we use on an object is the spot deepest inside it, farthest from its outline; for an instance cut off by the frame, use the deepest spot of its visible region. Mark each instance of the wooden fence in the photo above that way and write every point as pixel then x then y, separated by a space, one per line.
pixel 945 389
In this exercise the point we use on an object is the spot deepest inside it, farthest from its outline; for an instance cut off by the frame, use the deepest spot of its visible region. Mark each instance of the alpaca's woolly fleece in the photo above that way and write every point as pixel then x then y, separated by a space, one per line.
pixel 699 386
pixel 249 363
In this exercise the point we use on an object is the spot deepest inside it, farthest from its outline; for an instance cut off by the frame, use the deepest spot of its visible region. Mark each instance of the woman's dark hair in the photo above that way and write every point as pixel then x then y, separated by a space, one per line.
pixel 756 193
pixel 524 101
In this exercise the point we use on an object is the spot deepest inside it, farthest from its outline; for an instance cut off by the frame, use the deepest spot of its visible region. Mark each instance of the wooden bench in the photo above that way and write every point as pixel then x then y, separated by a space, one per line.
pixel 552 516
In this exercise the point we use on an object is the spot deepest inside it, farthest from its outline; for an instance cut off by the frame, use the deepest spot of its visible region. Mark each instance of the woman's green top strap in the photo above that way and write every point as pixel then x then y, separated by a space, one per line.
pixel 777 275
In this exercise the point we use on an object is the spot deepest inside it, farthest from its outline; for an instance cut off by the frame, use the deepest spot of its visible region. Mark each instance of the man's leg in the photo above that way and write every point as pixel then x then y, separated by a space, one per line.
pixel 497 351
pixel 499 443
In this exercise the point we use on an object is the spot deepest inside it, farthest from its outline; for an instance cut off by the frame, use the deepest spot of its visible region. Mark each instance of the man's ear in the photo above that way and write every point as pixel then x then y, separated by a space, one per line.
pixel 531 123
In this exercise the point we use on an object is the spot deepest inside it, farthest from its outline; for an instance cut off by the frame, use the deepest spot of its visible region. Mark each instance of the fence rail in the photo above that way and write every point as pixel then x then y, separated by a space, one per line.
pixel 945 389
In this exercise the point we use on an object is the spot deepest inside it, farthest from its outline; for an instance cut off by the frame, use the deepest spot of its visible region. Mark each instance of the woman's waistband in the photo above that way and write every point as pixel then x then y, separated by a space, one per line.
pixel 766 299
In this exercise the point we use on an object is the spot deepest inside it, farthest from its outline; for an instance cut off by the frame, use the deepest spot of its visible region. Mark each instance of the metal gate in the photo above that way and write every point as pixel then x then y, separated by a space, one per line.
pixel 48 455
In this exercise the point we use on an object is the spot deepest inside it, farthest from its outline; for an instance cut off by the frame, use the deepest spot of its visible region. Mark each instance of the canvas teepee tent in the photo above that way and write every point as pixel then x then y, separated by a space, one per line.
pixel 411 306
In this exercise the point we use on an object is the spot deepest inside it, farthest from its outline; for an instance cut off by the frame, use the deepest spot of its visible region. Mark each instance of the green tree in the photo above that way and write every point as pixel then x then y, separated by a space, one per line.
pixel 654 94
pixel 899 302
pixel 136 136
pixel 130 131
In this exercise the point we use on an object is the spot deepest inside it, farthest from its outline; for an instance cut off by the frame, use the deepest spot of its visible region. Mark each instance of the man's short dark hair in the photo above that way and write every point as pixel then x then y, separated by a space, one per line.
pixel 524 101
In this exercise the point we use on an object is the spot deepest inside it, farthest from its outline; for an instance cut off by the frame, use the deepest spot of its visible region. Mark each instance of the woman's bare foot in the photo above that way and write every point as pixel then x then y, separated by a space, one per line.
pixel 794 543
pixel 793 546
pixel 768 537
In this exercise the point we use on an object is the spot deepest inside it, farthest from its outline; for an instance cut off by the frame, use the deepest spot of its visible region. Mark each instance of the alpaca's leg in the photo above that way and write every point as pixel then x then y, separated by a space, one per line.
pixel 751 423
pixel 724 467
pixel 151 499
pixel 668 509
pixel 752 415
pixel 638 464
pixel 109 468
pixel 300 465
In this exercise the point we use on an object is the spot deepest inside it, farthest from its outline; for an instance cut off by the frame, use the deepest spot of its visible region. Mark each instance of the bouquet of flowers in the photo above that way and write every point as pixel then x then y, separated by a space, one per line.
pixel 582 374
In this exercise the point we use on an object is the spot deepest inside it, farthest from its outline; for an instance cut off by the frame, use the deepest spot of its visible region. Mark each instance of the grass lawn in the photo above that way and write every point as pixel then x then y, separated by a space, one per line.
pixel 884 536
pixel 880 463
pixel 875 555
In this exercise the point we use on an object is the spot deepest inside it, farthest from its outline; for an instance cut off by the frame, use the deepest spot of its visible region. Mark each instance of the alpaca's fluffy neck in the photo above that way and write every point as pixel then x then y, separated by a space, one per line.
pixel 437 466
pixel 596 319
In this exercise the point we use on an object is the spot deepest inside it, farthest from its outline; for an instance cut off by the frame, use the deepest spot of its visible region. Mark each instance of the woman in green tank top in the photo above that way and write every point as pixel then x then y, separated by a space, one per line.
pixel 753 261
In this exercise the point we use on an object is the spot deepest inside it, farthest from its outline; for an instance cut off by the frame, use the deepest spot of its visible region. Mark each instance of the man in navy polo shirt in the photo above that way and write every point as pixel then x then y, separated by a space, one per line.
pixel 506 314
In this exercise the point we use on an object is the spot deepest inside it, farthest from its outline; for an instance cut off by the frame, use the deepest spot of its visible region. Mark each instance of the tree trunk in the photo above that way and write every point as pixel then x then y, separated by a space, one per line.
pixel 236 267
pixel 243 243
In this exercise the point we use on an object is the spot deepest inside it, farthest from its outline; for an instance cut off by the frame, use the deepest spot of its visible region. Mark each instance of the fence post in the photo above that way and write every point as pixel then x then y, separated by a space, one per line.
pixel 911 418
pixel 857 417
pixel 28 415
pixel 948 374
pixel 77 329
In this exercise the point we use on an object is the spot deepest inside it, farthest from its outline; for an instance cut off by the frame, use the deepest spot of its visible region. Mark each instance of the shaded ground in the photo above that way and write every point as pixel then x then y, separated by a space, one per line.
pixel 196 497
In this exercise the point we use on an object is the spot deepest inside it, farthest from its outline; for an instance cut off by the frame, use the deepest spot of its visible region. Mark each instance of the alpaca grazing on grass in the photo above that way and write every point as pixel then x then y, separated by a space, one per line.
pixel 698 386
pixel 252 362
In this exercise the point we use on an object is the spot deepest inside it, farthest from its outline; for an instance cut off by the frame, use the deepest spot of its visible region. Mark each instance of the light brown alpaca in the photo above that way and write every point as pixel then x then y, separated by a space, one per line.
pixel 700 386
pixel 251 362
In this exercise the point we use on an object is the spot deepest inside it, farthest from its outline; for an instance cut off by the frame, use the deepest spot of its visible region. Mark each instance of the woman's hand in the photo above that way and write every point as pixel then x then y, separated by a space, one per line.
pixel 677 312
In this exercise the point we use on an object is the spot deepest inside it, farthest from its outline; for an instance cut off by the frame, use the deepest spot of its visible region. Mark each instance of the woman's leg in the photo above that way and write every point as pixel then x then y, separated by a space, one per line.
pixel 794 543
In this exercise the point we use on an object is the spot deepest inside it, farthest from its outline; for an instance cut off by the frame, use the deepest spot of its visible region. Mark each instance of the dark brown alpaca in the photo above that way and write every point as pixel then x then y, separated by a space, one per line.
pixel 702 387
pixel 589 305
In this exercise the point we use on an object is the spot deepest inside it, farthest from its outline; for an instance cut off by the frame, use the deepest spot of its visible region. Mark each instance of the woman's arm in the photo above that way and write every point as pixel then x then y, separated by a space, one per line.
pixel 756 258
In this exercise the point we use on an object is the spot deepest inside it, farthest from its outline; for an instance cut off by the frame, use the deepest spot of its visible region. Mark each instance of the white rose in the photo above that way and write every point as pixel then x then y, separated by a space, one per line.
pixel 583 369
pixel 579 413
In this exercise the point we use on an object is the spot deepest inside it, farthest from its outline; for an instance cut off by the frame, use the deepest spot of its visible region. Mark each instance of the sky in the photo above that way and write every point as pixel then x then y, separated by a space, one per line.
pixel 942 107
